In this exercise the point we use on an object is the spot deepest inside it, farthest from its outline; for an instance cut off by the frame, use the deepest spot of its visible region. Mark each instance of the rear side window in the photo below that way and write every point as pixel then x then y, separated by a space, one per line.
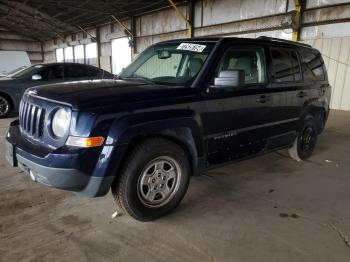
pixel 285 65
pixel 313 68
pixel 94 72
pixel 75 71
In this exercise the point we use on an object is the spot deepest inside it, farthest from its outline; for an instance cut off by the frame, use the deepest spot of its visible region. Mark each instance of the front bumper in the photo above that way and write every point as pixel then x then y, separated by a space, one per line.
pixel 60 170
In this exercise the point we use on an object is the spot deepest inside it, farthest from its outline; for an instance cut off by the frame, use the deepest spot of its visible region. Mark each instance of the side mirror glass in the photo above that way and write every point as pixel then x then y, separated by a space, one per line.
pixel 229 78
pixel 36 77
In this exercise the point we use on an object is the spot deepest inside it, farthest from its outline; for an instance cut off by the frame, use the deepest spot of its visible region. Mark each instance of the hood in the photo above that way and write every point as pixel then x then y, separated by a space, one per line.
pixel 94 94
pixel 4 80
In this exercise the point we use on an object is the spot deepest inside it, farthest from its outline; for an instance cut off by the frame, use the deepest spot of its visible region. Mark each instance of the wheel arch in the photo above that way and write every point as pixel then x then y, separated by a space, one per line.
pixel 181 136
pixel 319 114
pixel 185 131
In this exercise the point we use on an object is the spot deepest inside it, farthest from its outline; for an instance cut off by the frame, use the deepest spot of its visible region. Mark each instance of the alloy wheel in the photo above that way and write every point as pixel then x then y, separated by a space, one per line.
pixel 4 106
pixel 159 182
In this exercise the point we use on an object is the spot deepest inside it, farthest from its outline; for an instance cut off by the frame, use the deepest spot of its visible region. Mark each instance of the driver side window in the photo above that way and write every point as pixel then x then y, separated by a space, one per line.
pixel 52 72
pixel 249 62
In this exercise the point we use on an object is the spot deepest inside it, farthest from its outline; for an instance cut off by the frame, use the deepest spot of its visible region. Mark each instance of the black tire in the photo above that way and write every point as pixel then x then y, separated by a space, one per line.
pixel 5 106
pixel 304 144
pixel 128 191
pixel 321 121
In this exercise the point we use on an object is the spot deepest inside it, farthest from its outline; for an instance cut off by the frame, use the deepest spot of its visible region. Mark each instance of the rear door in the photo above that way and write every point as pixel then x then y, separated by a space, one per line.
pixel 236 122
pixel 314 73
pixel 289 93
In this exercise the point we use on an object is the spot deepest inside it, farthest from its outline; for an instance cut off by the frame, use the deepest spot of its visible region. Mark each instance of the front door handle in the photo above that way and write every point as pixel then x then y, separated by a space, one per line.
pixel 301 94
pixel 263 99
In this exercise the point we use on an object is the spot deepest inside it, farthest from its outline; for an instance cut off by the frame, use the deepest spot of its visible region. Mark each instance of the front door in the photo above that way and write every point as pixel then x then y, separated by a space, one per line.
pixel 237 117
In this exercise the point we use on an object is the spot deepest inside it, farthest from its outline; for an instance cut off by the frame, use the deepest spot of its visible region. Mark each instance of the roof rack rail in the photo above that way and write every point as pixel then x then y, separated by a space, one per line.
pixel 283 41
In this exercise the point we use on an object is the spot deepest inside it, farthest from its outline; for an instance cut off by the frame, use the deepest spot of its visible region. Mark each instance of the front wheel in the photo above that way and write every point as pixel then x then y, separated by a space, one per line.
pixel 304 144
pixel 5 106
pixel 153 180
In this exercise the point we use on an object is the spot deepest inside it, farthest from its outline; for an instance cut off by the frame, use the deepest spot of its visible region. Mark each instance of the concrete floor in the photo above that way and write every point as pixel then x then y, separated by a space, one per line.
pixel 269 208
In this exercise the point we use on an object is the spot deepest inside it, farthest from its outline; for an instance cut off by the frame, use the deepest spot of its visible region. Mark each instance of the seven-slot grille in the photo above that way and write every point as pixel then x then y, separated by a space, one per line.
pixel 31 118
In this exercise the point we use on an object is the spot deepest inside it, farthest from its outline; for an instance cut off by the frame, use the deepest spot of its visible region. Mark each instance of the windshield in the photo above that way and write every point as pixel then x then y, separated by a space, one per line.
pixel 28 72
pixel 170 63
pixel 15 71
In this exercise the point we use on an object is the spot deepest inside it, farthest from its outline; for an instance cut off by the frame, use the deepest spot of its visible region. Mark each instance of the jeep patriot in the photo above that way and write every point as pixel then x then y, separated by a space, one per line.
pixel 181 108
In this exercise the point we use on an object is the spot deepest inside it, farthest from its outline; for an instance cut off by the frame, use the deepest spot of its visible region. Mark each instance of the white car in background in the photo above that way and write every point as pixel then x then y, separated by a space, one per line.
pixel 12 60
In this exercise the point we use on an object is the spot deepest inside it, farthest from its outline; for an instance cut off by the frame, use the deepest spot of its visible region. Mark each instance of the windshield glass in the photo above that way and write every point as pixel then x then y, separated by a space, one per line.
pixel 28 72
pixel 170 63
pixel 12 72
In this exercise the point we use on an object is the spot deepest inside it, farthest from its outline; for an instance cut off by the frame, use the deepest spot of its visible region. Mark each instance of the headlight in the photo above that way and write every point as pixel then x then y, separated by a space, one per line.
pixel 60 122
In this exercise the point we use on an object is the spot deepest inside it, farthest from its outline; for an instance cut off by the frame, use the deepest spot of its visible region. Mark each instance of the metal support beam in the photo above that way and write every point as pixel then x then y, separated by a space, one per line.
pixel 297 18
pixel 129 32
pixel 42 51
pixel 123 26
pixel 191 14
pixel 86 32
pixel 188 22
pixel 133 31
pixel 98 42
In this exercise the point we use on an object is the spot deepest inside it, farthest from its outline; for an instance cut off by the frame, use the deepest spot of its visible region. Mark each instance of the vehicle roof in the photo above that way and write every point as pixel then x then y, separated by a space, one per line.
pixel 259 40
pixel 63 63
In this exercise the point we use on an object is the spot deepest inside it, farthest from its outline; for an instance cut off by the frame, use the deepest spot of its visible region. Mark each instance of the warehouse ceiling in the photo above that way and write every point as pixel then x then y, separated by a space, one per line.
pixel 43 20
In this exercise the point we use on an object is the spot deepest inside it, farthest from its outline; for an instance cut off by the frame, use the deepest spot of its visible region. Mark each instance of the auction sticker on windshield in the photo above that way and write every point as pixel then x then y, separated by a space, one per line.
pixel 191 47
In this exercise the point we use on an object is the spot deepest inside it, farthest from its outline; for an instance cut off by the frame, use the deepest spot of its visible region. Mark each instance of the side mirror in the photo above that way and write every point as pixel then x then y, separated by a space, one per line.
pixel 229 78
pixel 36 77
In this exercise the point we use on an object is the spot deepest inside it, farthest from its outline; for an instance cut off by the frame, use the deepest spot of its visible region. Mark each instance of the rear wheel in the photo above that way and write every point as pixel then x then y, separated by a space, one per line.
pixel 304 144
pixel 5 106
pixel 153 180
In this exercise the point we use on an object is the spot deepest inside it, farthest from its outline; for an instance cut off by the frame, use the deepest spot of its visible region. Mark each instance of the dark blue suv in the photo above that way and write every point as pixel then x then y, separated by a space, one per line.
pixel 180 108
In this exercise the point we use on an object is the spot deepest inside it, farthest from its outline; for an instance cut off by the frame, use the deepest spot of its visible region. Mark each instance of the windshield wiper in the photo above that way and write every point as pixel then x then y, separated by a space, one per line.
pixel 141 78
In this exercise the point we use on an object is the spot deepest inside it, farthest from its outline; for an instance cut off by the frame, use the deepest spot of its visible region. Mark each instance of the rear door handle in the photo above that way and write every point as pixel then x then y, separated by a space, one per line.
pixel 263 99
pixel 301 94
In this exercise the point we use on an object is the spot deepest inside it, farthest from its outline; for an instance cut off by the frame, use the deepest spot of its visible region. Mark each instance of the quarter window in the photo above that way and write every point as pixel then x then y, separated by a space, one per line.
pixel 313 66
pixel 285 65
pixel 250 61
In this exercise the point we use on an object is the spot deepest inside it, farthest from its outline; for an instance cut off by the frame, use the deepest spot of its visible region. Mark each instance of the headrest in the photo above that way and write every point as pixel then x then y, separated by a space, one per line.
pixel 194 66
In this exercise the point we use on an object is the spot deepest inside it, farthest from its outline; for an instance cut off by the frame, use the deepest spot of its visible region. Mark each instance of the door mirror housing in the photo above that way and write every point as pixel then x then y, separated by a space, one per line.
pixel 36 77
pixel 229 78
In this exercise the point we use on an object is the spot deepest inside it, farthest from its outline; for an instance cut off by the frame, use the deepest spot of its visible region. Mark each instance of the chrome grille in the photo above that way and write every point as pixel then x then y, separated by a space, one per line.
pixel 31 118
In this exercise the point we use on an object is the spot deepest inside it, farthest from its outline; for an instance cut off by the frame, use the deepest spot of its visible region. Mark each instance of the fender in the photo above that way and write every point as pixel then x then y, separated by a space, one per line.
pixel 317 107
pixel 184 126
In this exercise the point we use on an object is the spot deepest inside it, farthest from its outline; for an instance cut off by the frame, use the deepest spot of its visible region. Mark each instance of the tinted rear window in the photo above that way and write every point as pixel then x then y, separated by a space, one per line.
pixel 313 68
pixel 94 72
pixel 75 71
pixel 285 65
